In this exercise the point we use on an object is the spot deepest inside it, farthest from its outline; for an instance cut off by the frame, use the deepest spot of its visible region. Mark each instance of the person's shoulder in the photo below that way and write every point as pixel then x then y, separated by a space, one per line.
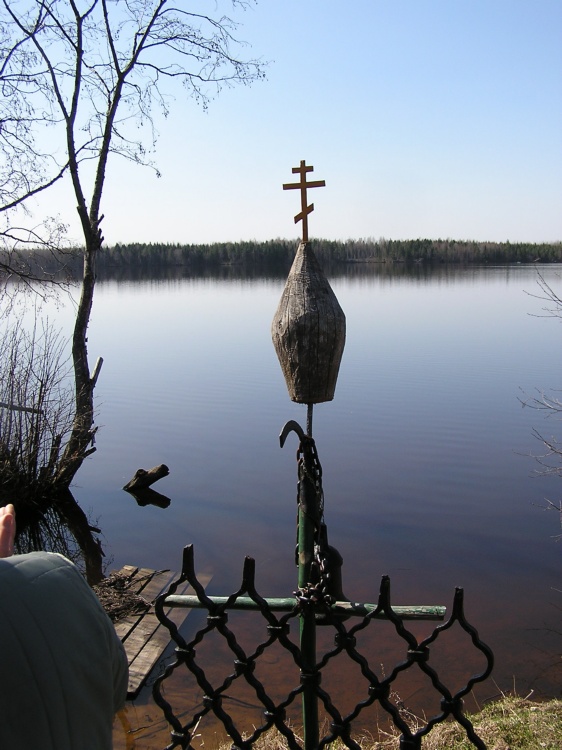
pixel 49 578
pixel 34 564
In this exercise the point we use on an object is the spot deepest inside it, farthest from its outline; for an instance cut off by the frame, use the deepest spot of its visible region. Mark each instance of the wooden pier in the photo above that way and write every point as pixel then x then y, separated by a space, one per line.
pixel 143 637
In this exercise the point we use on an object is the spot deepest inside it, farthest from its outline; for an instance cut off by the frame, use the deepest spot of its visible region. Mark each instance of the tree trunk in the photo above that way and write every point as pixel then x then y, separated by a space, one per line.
pixel 83 431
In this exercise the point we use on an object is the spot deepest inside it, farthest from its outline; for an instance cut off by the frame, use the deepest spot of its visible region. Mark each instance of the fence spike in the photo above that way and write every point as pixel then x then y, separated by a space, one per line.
pixel 188 566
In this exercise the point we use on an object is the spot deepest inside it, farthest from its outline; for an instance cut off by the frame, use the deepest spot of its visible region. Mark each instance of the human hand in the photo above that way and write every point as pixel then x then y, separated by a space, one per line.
pixel 7 530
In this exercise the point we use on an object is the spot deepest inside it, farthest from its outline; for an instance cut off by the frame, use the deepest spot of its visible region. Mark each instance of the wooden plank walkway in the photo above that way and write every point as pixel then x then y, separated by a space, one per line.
pixel 143 637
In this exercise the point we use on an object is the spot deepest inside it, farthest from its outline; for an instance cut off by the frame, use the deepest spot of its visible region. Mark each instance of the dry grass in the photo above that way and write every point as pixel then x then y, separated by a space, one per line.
pixel 116 597
pixel 510 723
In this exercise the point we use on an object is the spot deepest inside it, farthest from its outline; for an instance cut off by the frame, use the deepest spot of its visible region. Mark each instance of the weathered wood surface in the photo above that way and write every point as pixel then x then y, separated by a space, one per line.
pixel 143 637
pixel 308 331
pixel 144 478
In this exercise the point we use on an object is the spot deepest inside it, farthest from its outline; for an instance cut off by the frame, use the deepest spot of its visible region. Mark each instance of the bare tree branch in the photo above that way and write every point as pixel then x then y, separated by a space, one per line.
pixel 550 460
pixel 547 295
pixel 84 75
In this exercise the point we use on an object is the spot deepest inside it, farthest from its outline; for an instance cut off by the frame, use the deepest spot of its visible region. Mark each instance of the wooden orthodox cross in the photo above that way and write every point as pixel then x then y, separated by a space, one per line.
pixel 303 185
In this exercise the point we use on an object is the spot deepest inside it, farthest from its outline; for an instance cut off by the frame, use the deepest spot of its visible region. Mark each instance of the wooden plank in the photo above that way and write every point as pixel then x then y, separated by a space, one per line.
pixel 143 637
pixel 127 570
pixel 142 579
pixel 144 663
pixel 125 626
pixel 149 586
pixel 143 631
pixel 154 638
pixel 145 646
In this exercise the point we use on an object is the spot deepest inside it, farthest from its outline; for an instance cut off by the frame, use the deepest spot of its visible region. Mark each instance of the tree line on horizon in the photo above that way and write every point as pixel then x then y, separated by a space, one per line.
pixel 277 254
pixel 281 252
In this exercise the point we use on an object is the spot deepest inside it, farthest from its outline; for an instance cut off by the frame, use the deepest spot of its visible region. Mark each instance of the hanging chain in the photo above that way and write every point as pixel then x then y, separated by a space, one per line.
pixel 316 591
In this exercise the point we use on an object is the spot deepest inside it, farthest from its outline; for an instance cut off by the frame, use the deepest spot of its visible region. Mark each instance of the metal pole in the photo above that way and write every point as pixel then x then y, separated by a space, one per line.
pixel 431 612
pixel 309 409
pixel 307 627
pixel 307 514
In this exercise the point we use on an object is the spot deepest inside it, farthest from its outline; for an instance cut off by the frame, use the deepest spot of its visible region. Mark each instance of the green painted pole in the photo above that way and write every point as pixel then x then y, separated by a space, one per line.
pixel 309 518
pixel 433 612
pixel 309 674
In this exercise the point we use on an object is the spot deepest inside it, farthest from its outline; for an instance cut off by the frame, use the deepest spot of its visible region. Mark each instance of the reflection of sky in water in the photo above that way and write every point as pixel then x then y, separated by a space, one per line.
pixel 421 448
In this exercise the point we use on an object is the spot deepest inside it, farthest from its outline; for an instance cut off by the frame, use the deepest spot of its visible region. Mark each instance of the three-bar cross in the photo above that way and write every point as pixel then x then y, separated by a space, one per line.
pixel 303 185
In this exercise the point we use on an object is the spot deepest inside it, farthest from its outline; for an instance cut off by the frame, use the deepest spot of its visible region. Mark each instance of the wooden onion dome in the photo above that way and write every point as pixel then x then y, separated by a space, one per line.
pixel 308 331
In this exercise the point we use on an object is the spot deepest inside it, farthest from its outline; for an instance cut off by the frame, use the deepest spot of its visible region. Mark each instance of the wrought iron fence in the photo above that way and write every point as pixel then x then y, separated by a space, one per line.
pixel 318 601
pixel 280 616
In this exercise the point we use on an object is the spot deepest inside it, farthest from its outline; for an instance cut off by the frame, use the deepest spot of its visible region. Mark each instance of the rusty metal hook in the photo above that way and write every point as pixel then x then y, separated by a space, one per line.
pixel 291 426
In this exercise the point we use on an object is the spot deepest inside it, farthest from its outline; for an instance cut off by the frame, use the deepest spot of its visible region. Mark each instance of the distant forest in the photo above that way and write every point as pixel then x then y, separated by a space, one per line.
pixel 280 253
pixel 276 256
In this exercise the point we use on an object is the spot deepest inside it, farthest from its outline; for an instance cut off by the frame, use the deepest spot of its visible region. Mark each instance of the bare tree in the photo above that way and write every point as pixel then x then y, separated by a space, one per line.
pixel 86 76
pixel 25 170
pixel 550 403
pixel 35 417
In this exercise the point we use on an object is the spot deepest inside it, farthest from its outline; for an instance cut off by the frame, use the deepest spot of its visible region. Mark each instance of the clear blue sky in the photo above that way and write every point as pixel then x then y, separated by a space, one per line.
pixel 426 118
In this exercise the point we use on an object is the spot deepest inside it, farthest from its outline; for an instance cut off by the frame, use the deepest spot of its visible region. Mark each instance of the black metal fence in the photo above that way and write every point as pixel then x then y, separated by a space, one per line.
pixel 317 601
pixel 347 621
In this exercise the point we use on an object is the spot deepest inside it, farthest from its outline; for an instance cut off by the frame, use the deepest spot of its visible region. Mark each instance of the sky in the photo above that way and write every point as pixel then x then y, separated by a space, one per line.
pixel 426 118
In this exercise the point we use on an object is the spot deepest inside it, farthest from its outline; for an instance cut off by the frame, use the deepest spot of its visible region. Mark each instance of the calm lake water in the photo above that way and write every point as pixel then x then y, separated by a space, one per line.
pixel 425 448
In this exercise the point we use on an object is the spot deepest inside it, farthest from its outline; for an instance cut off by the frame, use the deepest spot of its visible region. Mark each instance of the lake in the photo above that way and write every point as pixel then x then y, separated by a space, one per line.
pixel 425 449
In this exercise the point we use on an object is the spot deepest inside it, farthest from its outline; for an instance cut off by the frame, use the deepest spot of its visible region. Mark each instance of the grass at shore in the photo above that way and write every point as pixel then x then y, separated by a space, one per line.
pixel 510 723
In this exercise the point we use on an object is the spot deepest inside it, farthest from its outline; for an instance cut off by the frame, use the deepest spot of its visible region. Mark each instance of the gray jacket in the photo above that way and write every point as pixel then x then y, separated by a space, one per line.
pixel 63 670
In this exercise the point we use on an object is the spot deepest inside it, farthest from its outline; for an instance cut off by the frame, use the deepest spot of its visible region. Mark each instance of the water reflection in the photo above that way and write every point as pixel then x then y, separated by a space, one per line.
pixel 57 523
pixel 148 496
pixel 390 271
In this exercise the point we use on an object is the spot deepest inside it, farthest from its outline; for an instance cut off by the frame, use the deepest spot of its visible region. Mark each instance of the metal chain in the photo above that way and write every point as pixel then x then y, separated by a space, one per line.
pixel 316 593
